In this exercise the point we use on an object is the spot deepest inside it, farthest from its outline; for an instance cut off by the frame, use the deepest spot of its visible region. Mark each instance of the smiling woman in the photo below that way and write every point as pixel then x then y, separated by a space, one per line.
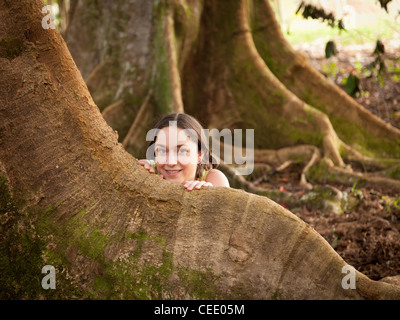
pixel 182 155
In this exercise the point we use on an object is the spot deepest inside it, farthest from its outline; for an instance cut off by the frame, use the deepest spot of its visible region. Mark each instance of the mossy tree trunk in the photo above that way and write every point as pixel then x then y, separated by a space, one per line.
pixel 71 196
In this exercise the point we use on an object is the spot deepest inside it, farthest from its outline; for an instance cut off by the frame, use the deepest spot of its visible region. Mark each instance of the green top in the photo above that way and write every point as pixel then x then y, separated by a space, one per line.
pixel 203 177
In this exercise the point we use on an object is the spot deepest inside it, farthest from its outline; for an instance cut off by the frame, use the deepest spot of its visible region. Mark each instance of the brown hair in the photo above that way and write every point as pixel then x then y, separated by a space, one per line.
pixel 185 121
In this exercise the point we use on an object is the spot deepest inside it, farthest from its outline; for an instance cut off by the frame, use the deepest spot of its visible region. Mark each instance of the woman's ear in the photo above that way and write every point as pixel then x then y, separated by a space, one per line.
pixel 200 157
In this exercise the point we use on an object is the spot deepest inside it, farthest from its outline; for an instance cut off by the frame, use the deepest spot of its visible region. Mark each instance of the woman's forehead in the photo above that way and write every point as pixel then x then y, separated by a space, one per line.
pixel 175 136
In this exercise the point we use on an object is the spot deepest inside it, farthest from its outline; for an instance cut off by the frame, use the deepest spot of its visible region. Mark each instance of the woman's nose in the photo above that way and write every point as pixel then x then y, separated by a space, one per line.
pixel 172 158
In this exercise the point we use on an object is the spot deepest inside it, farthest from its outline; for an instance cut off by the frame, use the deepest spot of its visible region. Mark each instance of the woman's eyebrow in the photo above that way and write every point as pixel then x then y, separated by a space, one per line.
pixel 179 145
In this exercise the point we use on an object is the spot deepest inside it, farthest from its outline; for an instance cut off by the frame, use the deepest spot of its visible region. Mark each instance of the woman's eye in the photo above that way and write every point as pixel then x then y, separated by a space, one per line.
pixel 161 151
pixel 183 151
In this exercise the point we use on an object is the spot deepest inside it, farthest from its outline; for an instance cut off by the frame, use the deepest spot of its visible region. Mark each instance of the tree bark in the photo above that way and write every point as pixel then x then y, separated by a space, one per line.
pixel 354 124
pixel 236 77
pixel 74 198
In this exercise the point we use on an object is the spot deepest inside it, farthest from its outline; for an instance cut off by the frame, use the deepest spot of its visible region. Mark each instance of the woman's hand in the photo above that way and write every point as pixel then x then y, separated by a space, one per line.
pixel 146 164
pixel 190 185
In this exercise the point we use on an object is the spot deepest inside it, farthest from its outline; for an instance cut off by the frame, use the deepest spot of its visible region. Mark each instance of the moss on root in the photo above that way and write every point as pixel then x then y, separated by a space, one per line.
pixel 363 141
pixel 199 284
pixel 129 279
pixel 32 239
pixel 11 47
pixel 24 251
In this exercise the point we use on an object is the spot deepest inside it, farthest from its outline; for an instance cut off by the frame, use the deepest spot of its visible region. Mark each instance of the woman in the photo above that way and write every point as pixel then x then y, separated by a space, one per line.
pixel 182 155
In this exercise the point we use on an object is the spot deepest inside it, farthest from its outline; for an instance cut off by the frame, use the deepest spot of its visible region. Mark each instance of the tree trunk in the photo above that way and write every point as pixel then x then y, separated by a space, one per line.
pixel 354 124
pixel 74 198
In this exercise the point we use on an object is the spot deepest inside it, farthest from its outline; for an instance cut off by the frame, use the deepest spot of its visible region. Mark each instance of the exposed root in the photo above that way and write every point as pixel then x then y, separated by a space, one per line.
pixel 97 74
pixel 115 108
pixel 279 160
pixel 284 165
pixel 352 155
pixel 238 181
pixel 290 155
pixel 320 198
pixel 374 290
pixel 327 172
pixel 293 108
pixel 314 159
pixel 322 172
pixel 177 105
pixel 142 116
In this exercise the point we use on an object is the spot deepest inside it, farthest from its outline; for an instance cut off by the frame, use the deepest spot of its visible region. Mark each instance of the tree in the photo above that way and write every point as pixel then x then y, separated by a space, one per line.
pixel 74 198
pixel 176 64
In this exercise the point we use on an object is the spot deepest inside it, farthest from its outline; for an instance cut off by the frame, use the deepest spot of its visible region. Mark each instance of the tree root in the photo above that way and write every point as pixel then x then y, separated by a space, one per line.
pixel 293 107
pixel 351 155
pixel 279 160
pixel 112 110
pixel 302 78
pixel 290 155
pixel 134 141
pixel 326 172
pixel 174 75
pixel 323 173
pixel 327 198
pixel 239 182
pixel 141 117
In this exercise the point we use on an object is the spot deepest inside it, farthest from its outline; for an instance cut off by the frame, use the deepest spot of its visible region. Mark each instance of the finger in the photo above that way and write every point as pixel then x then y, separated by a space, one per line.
pixel 148 167
pixel 191 185
pixel 203 184
pixel 200 184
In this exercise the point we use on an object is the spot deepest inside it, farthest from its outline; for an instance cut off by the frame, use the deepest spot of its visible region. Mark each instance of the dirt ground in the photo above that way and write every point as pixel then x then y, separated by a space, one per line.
pixel 368 236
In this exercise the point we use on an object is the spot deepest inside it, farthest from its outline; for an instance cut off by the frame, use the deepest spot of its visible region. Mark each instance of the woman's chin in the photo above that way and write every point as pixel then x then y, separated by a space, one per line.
pixel 174 178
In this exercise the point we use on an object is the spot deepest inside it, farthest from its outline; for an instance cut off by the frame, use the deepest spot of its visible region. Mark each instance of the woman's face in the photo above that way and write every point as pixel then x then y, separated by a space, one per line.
pixel 176 155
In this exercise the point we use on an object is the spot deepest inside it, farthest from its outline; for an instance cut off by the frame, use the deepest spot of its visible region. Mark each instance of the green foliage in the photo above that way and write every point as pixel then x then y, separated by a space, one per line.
pixel 378 70
pixel 330 49
pixel 380 47
pixel 384 4
pixel 391 205
pixel 357 192
pixel 352 84
pixel 311 11
pixel 330 69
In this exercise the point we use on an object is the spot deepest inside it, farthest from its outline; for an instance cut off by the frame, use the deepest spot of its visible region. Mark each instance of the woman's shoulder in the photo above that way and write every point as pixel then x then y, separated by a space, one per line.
pixel 217 178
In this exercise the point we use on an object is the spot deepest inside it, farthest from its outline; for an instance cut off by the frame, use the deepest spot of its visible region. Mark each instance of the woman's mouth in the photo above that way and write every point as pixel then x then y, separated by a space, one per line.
pixel 173 173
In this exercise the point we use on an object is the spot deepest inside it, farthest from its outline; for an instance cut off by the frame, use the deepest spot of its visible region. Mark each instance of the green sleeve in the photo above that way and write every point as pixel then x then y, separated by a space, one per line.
pixel 204 175
pixel 153 164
